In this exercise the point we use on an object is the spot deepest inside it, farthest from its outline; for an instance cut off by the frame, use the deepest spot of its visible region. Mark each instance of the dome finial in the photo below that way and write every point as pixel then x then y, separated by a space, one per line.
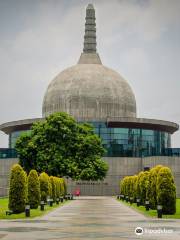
pixel 89 55
pixel 90 30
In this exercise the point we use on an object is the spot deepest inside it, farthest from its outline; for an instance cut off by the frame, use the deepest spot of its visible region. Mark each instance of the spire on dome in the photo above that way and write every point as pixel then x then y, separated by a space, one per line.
pixel 89 55
pixel 90 30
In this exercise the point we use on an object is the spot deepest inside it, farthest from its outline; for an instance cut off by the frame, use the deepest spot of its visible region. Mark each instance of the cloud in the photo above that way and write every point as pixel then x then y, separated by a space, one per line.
pixel 148 21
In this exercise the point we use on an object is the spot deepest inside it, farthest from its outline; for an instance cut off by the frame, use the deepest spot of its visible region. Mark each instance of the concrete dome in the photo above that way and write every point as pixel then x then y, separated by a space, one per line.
pixel 90 91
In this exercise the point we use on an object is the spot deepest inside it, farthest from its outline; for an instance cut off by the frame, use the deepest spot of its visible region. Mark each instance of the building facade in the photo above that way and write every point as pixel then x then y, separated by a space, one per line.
pixel 94 93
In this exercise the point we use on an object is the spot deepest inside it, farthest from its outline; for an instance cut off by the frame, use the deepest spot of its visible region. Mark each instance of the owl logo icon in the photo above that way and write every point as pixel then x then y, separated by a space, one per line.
pixel 139 231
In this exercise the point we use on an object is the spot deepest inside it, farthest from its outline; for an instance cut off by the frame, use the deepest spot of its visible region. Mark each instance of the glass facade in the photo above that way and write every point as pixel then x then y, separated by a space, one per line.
pixel 13 137
pixel 121 142
pixel 129 142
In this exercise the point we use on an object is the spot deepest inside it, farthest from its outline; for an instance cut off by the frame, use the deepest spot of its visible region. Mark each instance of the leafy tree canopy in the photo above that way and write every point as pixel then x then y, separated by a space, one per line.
pixel 62 147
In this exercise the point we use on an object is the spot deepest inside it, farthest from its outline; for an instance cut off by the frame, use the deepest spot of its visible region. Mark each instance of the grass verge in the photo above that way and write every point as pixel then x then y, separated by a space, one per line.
pixel 153 213
pixel 33 213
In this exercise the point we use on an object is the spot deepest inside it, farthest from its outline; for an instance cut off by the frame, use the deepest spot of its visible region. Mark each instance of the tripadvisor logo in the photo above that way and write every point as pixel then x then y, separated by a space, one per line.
pixel 139 231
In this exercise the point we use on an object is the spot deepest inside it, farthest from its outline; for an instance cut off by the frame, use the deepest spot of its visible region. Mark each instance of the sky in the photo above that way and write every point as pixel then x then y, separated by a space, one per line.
pixel 138 38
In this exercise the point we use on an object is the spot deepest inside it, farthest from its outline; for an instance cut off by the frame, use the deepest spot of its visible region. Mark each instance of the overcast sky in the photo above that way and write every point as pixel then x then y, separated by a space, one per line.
pixel 138 38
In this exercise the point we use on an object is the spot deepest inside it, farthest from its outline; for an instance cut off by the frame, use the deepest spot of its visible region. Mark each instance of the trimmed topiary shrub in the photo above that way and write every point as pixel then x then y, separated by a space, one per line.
pixel 135 178
pixel 58 190
pixel 138 189
pixel 127 186
pixel 53 187
pixel 44 186
pixel 156 185
pixel 166 191
pixel 50 188
pixel 63 187
pixel 131 186
pixel 148 192
pixel 124 186
pixel 121 186
pixel 63 190
pixel 152 193
pixel 143 185
pixel 18 189
pixel 33 189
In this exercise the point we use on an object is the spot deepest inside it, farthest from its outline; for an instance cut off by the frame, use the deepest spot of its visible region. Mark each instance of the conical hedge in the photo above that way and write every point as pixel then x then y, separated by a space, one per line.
pixel 157 186
pixel 53 186
pixel 44 186
pixel 152 192
pixel 58 187
pixel 144 184
pixel 18 189
pixel 166 191
pixel 62 189
pixel 33 189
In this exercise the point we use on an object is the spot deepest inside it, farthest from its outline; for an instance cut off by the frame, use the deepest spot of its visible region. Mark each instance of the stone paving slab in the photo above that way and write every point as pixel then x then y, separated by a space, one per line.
pixel 89 218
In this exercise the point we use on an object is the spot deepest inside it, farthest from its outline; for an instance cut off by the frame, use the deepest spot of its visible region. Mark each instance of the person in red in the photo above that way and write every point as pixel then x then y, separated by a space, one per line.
pixel 77 192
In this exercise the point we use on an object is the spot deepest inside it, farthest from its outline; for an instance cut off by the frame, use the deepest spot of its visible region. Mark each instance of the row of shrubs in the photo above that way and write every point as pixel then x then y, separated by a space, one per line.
pixel 32 189
pixel 156 186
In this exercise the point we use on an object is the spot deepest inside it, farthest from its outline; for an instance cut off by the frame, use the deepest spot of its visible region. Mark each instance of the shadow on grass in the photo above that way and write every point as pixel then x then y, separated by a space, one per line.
pixel 153 213
pixel 34 212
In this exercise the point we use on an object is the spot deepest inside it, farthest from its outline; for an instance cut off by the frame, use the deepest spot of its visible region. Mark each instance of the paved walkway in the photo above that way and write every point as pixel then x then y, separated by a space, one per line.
pixel 89 218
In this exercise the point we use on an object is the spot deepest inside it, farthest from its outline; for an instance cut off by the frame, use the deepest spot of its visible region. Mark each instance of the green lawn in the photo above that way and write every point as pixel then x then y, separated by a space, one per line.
pixel 153 213
pixel 34 212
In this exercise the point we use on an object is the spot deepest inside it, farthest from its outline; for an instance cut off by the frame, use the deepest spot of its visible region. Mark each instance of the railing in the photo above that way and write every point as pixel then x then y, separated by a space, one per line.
pixel 175 152
pixel 171 152
pixel 119 151
pixel 8 153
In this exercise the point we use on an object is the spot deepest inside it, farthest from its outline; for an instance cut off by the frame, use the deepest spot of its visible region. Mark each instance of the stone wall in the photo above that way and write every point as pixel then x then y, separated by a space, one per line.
pixel 5 167
pixel 118 168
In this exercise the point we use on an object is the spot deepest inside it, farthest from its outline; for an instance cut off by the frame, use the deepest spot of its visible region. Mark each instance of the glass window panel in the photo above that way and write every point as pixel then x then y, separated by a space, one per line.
pixel 124 141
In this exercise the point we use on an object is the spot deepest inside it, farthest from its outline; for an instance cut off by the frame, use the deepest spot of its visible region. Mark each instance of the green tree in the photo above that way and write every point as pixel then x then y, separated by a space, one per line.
pixel 18 189
pixel 33 189
pixel 166 191
pixel 44 186
pixel 62 147
pixel 27 151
